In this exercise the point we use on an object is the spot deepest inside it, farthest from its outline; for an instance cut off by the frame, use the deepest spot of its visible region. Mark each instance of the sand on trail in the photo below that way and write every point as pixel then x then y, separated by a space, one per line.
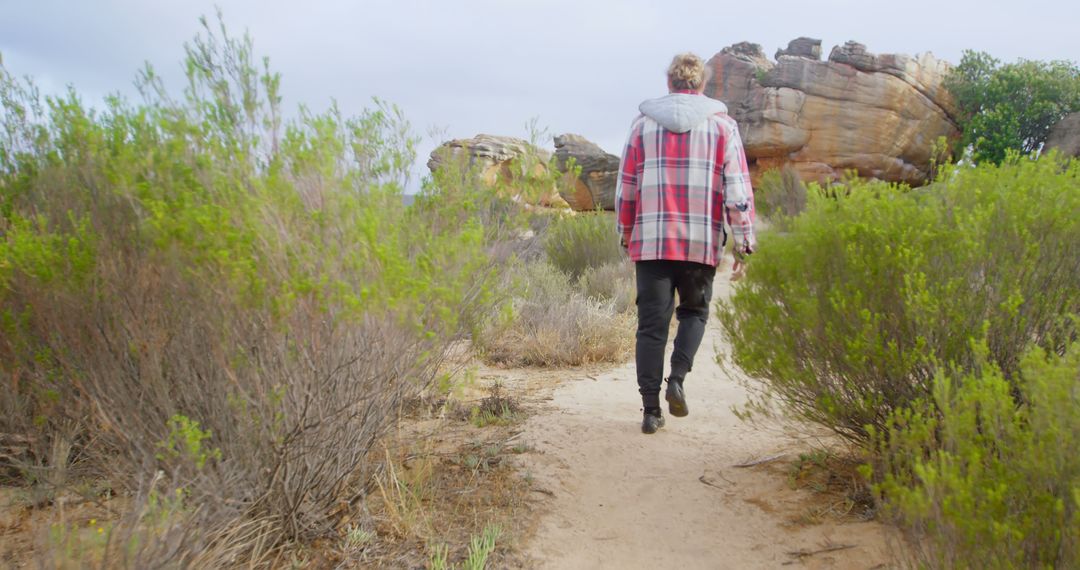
pixel 613 497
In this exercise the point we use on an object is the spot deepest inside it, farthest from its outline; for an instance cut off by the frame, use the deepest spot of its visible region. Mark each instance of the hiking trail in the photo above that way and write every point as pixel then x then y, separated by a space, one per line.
pixel 612 497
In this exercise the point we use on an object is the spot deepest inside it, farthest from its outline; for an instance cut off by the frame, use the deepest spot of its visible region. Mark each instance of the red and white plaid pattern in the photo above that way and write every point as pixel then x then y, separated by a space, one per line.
pixel 676 190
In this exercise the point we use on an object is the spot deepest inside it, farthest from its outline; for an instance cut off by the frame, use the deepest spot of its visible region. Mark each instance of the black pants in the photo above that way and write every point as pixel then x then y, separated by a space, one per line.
pixel 657 282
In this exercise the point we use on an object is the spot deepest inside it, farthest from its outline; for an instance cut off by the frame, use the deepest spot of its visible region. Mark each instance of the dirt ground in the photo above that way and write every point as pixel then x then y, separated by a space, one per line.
pixel 615 498
pixel 574 483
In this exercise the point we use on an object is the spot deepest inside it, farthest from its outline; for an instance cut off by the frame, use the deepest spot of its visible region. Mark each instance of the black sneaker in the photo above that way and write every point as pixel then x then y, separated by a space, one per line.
pixel 676 398
pixel 652 421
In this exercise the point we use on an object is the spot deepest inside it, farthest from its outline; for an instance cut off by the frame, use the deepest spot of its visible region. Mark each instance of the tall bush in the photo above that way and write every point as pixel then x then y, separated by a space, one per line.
pixel 846 317
pixel 982 481
pixel 199 269
pixel 577 243
pixel 780 194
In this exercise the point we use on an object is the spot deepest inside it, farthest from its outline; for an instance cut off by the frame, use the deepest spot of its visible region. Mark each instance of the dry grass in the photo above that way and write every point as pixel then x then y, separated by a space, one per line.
pixel 441 483
pixel 612 282
pixel 438 482
pixel 285 425
pixel 838 491
pixel 554 324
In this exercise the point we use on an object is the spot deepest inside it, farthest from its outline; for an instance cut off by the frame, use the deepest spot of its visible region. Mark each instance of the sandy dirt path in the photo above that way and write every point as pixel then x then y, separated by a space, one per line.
pixel 615 498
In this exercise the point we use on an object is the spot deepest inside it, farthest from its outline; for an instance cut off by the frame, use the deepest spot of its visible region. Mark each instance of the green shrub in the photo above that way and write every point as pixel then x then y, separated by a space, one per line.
pixel 582 241
pixel 497 408
pixel 552 324
pixel 199 288
pixel 480 548
pixel 846 317
pixel 983 482
pixel 780 194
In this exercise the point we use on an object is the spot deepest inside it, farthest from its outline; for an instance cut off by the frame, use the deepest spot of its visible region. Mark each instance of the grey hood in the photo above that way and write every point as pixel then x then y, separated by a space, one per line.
pixel 680 112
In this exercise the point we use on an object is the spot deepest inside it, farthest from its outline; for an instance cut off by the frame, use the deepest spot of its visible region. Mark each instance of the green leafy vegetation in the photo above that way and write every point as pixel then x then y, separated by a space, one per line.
pixel 983 474
pixel 185 441
pixel 497 408
pixel 480 548
pixel 203 300
pixel 780 195
pixel 847 317
pixel 217 313
pixel 1012 106
pixel 935 328
pixel 577 243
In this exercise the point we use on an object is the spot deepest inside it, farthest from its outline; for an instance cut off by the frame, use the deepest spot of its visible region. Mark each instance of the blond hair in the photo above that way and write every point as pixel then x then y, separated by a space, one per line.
pixel 687 71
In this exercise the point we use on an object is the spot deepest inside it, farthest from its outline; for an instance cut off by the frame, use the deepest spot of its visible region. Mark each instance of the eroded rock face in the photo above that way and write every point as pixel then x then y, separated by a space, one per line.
pixel 489 154
pixel 492 159
pixel 594 186
pixel 801 47
pixel 1065 136
pixel 876 114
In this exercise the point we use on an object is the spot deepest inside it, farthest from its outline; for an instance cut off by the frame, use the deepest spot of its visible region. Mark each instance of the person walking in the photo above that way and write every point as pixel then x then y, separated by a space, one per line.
pixel 683 174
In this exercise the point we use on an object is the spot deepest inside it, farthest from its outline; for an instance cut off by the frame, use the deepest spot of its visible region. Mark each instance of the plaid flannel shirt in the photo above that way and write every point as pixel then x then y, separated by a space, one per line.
pixel 676 190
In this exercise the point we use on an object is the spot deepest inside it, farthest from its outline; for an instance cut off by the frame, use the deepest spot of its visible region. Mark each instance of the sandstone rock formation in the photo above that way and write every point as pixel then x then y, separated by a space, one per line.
pixel 1065 136
pixel 802 47
pixel 492 159
pixel 876 114
pixel 594 186
pixel 490 155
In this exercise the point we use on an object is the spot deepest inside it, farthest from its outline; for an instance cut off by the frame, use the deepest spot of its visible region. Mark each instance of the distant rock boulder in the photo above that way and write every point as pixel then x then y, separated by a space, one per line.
pixel 492 160
pixel 878 115
pixel 489 155
pixel 1065 136
pixel 801 47
pixel 594 186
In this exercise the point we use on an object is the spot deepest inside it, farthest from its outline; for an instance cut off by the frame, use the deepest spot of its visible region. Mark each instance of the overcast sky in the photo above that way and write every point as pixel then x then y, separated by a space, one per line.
pixel 488 66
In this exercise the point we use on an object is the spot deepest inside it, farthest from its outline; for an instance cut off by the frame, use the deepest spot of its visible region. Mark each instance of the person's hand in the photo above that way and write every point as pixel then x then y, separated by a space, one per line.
pixel 625 246
pixel 738 270
pixel 742 251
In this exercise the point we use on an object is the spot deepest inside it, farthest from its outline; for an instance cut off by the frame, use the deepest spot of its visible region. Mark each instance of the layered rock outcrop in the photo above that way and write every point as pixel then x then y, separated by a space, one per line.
pixel 492 159
pixel 496 158
pixel 594 186
pixel 489 155
pixel 878 115
pixel 1065 136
